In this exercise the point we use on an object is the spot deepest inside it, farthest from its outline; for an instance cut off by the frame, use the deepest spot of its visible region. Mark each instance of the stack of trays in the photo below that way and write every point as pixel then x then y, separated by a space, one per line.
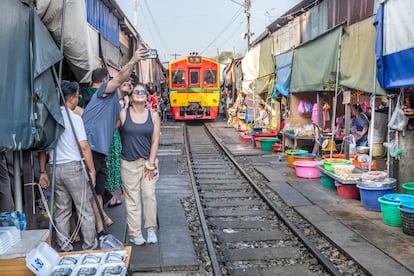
pixel 9 236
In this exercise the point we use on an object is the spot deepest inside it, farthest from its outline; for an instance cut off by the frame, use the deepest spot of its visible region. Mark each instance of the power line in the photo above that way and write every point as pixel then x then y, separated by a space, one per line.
pixel 156 27
pixel 238 12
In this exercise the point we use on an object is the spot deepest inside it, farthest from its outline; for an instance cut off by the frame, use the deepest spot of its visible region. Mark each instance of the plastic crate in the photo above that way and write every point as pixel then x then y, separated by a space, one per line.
pixel 407 220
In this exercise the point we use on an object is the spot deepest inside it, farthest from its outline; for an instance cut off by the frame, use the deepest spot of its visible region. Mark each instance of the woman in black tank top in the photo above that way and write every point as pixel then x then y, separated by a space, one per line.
pixel 140 134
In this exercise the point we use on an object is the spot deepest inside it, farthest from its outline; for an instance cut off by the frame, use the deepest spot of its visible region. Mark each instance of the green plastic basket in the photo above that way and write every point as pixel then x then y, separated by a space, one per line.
pixel 390 212
pixel 327 163
pixel 328 182
pixel 408 188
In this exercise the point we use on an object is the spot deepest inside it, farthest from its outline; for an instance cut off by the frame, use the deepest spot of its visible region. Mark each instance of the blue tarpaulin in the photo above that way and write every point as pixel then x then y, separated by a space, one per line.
pixel 283 72
pixel 394 46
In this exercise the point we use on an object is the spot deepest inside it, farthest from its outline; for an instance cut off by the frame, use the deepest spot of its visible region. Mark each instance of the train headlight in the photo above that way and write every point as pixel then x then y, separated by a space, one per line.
pixel 214 101
pixel 174 101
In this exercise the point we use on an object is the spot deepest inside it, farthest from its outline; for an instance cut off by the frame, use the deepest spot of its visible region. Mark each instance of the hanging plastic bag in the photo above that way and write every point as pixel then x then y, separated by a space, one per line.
pixel 308 106
pixel 352 144
pixel 301 107
pixel 398 120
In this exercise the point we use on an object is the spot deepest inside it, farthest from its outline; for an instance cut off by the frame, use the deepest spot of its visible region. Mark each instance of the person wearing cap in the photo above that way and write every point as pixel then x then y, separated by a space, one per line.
pixel 100 117
pixel 71 178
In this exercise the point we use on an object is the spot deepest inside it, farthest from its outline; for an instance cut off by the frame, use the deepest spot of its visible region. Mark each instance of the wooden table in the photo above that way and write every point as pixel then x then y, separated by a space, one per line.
pixel 295 138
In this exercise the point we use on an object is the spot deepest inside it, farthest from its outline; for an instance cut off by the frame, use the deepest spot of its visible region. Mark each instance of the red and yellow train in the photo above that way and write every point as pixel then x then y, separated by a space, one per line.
pixel 194 88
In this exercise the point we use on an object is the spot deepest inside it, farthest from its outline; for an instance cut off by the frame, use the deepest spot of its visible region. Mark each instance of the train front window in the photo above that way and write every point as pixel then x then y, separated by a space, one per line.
pixel 194 78
pixel 210 77
pixel 178 77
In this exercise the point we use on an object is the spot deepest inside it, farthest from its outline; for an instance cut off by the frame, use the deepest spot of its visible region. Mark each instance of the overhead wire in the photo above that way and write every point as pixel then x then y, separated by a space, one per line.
pixel 221 32
pixel 156 27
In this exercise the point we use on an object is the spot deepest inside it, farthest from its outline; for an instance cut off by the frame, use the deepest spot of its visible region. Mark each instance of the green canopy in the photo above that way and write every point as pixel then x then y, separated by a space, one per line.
pixel 314 62
pixel 266 79
pixel 358 57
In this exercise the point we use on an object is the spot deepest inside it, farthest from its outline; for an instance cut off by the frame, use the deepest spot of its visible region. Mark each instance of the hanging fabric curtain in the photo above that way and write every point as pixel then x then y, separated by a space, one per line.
pixel 283 72
pixel 358 59
pixel 394 46
pixel 29 107
pixel 314 63
pixel 266 78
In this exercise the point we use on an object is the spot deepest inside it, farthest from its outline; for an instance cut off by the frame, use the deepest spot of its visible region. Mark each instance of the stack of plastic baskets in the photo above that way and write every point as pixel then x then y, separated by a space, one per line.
pixel 407 215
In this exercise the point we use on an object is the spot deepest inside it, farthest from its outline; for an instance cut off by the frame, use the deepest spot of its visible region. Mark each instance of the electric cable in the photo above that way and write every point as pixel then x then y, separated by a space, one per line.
pixel 221 32
pixel 156 27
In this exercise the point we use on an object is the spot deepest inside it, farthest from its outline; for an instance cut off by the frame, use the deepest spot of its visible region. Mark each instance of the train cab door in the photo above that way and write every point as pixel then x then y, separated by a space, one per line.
pixel 194 77
pixel 194 82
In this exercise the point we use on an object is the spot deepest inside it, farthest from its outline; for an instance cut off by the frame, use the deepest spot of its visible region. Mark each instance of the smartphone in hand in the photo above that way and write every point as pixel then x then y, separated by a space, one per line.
pixel 152 53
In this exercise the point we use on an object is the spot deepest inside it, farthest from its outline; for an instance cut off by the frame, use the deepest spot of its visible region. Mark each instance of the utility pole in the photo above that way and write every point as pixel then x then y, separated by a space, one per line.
pixel 175 55
pixel 136 14
pixel 246 6
pixel 247 11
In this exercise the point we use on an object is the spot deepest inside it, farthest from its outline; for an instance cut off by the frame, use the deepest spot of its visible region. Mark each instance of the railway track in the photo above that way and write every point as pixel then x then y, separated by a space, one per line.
pixel 246 233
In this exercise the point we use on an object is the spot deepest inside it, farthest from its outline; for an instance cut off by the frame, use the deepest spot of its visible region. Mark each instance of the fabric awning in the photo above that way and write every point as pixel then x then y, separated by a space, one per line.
pixel 266 78
pixel 77 49
pixel 29 106
pixel 250 64
pixel 283 72
pixel 394 47
pixel 314 62
pixel 358 57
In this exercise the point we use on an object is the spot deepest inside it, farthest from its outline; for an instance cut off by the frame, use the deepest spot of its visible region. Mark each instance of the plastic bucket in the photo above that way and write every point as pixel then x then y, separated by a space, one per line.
pixel 267 143
pixel 328 182
pixel 390 212
pixel 369 196
pixel 408 188
pixel 347 191
pixel 290 159
pixel 303 157
pixel 377 149
pixel 307 169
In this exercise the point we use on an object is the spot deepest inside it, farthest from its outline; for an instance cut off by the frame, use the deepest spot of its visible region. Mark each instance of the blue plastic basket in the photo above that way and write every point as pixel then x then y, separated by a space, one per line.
pixel 369 196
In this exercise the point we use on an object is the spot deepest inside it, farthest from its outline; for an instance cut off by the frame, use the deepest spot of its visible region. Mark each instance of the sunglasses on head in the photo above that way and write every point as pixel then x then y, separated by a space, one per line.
pixel 140 92
pixel 132 82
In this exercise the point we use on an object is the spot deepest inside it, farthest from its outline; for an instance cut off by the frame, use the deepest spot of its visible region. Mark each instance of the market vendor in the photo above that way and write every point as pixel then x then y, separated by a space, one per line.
pixel 263 118
pixel 360 125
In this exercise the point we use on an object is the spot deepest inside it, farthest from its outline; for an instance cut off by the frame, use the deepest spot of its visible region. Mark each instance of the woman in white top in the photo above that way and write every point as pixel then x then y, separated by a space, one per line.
pixel 263 117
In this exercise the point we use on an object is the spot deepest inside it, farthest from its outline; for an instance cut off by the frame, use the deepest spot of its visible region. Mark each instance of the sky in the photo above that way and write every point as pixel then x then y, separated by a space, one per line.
pixel 177 28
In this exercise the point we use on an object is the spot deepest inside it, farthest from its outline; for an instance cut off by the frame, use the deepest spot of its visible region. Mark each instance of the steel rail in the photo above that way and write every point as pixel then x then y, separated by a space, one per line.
pixel 210 247
pixel 316 252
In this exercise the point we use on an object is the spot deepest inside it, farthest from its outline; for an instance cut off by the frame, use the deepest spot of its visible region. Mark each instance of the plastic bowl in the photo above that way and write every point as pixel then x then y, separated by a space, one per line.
pixel 307 169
